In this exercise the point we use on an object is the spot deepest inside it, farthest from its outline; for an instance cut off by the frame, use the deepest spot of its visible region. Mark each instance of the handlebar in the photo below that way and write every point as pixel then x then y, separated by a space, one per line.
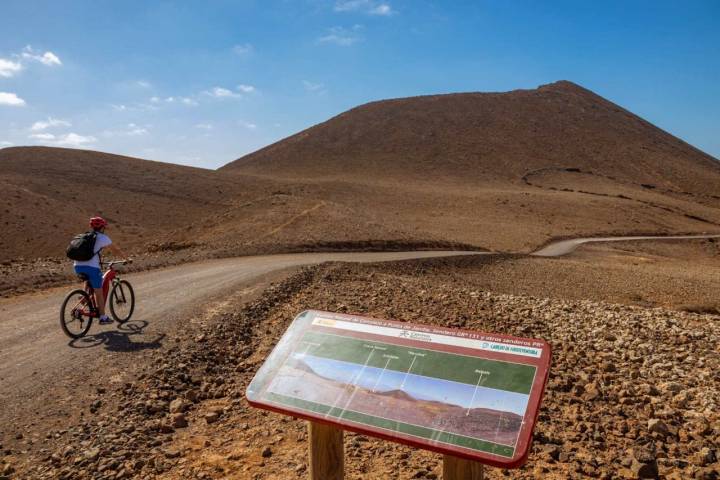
pixel 116 262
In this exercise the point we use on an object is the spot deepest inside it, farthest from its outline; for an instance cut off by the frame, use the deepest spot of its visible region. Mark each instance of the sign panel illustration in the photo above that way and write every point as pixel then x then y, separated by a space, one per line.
pixel 457 392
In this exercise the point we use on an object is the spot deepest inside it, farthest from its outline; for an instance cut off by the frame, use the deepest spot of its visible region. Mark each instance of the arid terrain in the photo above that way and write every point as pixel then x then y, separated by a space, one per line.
pixel 500 171
pixel 633 389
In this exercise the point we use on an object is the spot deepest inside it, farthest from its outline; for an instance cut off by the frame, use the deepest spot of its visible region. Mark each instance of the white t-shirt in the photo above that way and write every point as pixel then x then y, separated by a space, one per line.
pixel 101 241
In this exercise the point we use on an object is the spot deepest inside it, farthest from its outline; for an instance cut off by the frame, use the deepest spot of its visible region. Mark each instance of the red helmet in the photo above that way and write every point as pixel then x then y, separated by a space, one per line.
pixel 97 223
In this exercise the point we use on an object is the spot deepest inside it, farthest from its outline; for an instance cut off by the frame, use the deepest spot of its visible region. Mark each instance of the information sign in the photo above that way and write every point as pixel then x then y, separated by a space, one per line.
pixel 468 394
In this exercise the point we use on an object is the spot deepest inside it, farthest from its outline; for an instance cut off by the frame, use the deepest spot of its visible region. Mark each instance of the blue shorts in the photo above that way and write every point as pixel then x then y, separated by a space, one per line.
pixel 93 274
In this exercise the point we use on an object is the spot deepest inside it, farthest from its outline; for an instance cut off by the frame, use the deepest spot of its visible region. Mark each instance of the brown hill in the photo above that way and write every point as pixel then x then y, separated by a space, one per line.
pixel 396 394
pixel 488 137
pixel 49 193
pixel 502 170
pixel 505 171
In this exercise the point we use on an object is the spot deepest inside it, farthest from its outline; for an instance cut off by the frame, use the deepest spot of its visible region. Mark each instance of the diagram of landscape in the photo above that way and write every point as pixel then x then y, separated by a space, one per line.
pixel 437 409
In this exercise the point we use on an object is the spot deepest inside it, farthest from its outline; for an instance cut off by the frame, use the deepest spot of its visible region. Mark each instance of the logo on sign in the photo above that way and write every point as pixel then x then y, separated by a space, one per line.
pixel 423 337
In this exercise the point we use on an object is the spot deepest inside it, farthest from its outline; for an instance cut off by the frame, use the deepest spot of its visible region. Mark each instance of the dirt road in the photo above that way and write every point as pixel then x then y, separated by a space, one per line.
pixel 564 247
pixel 41 372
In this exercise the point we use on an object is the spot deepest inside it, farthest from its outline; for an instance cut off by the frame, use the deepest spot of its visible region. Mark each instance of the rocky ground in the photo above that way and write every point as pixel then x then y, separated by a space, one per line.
pixel 682 275
pixel 633 391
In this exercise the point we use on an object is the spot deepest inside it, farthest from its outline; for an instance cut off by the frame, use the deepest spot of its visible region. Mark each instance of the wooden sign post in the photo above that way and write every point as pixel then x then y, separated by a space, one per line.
pixel 455 468
pixel 471 396
pixel 327 459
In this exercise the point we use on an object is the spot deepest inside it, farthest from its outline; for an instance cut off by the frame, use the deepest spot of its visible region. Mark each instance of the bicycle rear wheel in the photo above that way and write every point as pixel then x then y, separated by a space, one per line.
pixel 75 314
pixel 122 301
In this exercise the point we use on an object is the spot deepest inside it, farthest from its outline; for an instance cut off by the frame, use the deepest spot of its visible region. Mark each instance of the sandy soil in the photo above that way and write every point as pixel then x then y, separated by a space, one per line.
pixel 40 368
pixel 595 421
pixel 613 409
pixel 673 274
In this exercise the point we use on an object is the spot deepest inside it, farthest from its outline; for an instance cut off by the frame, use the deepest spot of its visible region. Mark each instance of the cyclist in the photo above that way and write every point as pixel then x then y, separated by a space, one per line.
pixel 91 268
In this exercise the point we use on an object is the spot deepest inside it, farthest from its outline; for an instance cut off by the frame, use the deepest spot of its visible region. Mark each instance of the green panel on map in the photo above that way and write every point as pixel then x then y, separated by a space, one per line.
pixel 513 377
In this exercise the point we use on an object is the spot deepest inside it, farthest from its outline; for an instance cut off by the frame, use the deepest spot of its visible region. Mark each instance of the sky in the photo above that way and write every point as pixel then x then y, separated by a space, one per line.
pixel 203 83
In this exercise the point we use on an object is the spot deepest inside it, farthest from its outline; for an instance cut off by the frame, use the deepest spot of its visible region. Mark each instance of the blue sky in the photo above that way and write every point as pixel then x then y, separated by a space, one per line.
pixel 202 83
pixel 418 386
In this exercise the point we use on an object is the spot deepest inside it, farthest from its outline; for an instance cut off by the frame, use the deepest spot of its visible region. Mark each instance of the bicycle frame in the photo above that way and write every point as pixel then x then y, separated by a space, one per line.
pixel 108 277
pixel 80 306
pixel 107 281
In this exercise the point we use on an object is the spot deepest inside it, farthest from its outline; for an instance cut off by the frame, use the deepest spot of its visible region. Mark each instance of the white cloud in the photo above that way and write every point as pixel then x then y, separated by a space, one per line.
pixel 67 140
pixel 155 101
pixel 383 9
pixel 184 100
pixel 350 5
pixel 9 68
pixel 10 99
pixel 47 58
pixel 43 136
pixel 370 7
pixel 248 125
pixel 341 36
pixel 4 144
pixel 50 123
pixel 74 140
pixel 135 130
pixel 204 126
pixel 313 87
pixel 244 49
pixel 219 92
pixel 246 88
pixel 119 108
pixel 50 58
pixel 131 130
pixel 143 84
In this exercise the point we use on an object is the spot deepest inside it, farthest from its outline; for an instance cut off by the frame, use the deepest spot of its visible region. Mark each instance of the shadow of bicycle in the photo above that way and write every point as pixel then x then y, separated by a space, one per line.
pixel 121 339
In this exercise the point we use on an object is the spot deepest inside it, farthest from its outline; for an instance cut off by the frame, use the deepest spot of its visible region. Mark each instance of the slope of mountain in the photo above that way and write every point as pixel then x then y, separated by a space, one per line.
pixel 49 193
pixel 487 138
pixel 503 171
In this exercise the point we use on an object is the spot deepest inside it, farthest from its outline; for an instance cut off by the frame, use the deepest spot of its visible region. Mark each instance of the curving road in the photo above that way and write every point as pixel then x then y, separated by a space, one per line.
pixel 30 336
pixel 41 373
pixel 30 333
pixel 564 247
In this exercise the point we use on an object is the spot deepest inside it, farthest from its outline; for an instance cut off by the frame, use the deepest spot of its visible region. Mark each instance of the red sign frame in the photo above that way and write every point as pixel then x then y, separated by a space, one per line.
pixel 495 348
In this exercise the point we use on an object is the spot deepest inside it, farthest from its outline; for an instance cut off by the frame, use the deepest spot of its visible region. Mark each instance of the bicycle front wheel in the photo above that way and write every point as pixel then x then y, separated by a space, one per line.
pixel 76 314
pixel 122 301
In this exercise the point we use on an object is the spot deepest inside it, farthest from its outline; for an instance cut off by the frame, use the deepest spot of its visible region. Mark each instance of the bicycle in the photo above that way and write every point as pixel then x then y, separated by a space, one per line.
pixel 79 308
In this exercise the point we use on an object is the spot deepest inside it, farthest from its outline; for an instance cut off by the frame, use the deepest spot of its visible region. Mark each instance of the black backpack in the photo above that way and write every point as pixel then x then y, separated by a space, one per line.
pixel 82 247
